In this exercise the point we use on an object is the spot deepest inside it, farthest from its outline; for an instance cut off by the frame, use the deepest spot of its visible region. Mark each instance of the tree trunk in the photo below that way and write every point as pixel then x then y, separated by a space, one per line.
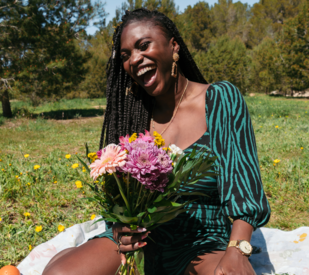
pixel 6 106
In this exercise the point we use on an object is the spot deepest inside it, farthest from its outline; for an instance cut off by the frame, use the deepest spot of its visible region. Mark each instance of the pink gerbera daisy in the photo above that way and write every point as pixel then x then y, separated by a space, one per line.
pixel 112 157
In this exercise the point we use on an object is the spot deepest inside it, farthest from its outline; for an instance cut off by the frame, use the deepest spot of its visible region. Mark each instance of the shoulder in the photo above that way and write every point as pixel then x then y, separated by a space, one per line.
pixel 224 92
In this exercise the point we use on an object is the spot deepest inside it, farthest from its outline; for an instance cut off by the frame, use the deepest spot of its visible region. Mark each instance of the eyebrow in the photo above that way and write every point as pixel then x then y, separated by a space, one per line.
pixel 135 44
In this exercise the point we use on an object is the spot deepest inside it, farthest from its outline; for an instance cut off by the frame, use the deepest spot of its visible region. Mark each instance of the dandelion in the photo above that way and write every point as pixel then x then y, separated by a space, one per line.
pixel 10 164
pixel 29 183
pixel 36 167
pixel 0 219
pixel 67 156
pixel 301 148
pixel 0 160
pixel 92 217
pixel 26 155
pixel 20 173
pixel 16 177
pixel 276 161
pixel 93 156
pixel 3 170
pixel 27 214
pixel 75 165
pixel 30 247
pixel 277 127
pixel 60 227
pixel 55 181
pixel 38 228
pixel 59 158
pixel 78 184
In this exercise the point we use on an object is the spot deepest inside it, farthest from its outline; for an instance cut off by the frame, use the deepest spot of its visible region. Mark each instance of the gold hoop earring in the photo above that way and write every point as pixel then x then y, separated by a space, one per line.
pixel 133 90
pixel 174 67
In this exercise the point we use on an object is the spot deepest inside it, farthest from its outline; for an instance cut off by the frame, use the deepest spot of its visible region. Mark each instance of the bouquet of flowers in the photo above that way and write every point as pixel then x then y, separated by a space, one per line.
pixel 141 181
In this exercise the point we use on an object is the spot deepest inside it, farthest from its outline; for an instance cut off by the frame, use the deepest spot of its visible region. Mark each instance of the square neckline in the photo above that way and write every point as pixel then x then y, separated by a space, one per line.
pixel 206 132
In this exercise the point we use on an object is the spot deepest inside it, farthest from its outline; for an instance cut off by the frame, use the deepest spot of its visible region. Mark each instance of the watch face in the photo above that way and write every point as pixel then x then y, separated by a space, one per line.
pixel 245 247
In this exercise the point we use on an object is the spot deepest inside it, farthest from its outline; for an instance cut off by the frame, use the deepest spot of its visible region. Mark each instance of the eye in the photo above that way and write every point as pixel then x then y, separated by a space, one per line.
pixel 144 46
pixel 123 57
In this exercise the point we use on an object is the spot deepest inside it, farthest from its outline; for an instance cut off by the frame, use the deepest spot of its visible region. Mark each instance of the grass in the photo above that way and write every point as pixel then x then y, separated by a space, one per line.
pixel 52 198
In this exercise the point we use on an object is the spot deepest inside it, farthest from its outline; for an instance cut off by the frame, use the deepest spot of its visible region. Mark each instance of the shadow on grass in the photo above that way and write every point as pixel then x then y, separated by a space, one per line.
pixel 70 114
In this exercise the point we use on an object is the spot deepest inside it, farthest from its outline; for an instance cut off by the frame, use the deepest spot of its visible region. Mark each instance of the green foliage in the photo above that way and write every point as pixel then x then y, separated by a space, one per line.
pixel 226 59
pixel 38 50
pixel 295 52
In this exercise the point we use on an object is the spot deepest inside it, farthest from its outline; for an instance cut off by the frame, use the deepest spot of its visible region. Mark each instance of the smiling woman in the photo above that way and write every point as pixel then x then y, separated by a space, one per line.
pixel 170 96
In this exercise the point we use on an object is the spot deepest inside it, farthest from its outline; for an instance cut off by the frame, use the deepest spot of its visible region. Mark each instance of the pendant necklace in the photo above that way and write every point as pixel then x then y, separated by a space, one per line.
pixel 152 121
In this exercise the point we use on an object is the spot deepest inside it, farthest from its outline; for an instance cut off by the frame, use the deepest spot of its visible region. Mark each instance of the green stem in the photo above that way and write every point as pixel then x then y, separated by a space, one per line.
pixel 138 198
pixel 122 193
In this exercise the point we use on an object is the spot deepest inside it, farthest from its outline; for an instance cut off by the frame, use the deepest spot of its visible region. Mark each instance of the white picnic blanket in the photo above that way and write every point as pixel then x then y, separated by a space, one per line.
pixel 282 251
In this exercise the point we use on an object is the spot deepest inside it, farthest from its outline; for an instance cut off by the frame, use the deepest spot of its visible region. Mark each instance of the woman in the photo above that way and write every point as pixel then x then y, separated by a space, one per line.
pixel 154 84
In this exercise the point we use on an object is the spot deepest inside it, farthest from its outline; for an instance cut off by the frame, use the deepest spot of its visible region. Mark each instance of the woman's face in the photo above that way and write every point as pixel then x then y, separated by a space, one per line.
pixel 147 56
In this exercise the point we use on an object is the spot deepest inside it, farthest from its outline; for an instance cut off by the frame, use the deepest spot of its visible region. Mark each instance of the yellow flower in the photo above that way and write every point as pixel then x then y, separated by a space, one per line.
pixel 78 184
pixel 0 219
pixel 35 167
pixel 38 228
pixel 3 170
pixel 29 183
pixel 75 165
pixel 59 158
pixel 301 148
pixel 10 164
pixel 30 247
pixel 133 137
pixel 277 126
pixel 166 149
pixel 16 177
pixel 96 181
pixel 20 173
pixel 276 161
pixel 0 160
pixel 27 214
pixel 60 227
pixel 92 217
pixel 26 156
pixel 67 156
pixel 159 141
pixel 93 156
pixel 55 181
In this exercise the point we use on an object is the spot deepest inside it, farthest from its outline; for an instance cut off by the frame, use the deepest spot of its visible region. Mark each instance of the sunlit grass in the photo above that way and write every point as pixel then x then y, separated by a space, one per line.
pixel 51 197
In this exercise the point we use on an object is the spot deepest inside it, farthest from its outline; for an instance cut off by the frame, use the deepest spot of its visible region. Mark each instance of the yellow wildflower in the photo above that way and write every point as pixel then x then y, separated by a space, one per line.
pixel 38 228
pixel 93 156
pixel 301 148
pixel 0 160
pixel 3 170
pixel 0 219
pixel 30 247
pixel 75 165
pixel 29 183
pixel 60 227
pixel 276 161
pixel 67 156
pixel 92 217
pixel 159 141
pixel 10 164
pixel 16 177
pixel 133 137
pixel 78 184
pixel 35 167
pixel 277 126
pixel 96 181
pixel 166 149
pixel 27 214
pixel 26 155
pixel 20 173
pixel 55 181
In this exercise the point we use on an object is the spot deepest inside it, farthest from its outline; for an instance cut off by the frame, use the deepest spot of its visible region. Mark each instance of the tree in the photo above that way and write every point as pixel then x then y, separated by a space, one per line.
pixel 295 51
pixel 38 53
pixel 226 59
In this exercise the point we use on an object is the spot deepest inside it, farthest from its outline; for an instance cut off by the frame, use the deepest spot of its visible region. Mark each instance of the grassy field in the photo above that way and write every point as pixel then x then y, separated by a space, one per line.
pixel 35 204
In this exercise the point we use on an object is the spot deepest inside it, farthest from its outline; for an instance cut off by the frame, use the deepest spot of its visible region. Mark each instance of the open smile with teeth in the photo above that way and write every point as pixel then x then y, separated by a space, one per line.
pixel 145 70
pixel 148 75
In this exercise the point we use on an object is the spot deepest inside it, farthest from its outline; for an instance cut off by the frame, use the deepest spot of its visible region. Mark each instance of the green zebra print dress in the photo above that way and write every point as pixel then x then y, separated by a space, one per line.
pixel 237 192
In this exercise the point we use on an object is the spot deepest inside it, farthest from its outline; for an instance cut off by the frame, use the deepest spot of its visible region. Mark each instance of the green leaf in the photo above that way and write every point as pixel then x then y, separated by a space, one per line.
pixel 140 261
pixel 124 219
pixel 117 209
pixel 159 198
pixel 152 210
pixel 84 164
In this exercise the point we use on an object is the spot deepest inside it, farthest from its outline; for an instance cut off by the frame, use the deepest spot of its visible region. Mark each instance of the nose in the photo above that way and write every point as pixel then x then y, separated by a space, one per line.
pixel 136 58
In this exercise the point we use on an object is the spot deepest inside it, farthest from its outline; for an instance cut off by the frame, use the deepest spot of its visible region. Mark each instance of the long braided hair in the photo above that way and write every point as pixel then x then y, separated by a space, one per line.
pixel 128 114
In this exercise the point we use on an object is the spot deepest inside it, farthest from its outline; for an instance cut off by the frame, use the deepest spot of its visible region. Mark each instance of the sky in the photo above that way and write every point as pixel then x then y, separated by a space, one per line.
pixel 111 5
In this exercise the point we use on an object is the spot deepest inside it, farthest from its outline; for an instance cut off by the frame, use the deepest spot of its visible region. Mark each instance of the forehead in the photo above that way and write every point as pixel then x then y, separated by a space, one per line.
pixel 137 30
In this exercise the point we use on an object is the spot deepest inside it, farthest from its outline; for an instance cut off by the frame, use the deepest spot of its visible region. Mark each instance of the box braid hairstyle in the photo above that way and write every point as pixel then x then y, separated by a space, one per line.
pixel 128 114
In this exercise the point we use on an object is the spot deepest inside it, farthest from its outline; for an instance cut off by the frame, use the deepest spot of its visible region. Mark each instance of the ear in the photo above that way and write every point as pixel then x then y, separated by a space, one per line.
pixel 174 45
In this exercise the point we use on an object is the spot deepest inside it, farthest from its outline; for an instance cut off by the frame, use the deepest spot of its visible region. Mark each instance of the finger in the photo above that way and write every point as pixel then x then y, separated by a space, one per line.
pixel 123 258
pixel 125 240
pixel 122 228
pixel 132 247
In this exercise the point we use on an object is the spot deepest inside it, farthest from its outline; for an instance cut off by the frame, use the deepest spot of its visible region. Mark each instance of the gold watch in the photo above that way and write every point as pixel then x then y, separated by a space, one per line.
pixel 244 247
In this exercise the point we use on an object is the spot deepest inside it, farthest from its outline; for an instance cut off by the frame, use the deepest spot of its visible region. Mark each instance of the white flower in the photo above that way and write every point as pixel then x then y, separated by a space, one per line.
pixel 175 152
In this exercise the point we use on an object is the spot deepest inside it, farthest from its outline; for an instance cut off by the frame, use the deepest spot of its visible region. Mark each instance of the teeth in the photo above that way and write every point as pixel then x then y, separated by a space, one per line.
pixel 144 70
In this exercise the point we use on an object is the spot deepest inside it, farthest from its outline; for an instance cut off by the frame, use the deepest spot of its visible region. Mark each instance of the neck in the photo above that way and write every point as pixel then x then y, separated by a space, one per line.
pixel 169 100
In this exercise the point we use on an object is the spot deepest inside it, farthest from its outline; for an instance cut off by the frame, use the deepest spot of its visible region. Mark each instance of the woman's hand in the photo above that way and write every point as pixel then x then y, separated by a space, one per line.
pixel 129 240
pixel 233 262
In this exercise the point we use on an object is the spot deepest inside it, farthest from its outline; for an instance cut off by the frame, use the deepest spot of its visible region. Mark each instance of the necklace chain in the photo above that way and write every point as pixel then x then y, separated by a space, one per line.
pixel 152 121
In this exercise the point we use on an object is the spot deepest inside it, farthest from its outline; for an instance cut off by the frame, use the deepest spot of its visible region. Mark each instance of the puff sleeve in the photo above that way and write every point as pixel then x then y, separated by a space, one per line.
pixel 233 142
